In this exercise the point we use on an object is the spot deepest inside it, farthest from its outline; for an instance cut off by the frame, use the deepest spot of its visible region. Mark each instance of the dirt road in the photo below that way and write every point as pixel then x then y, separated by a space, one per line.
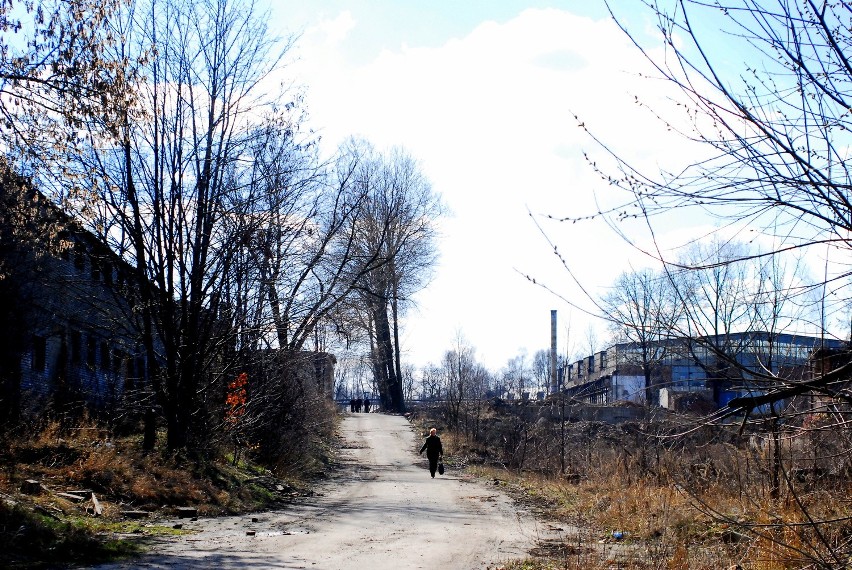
pixel 382 511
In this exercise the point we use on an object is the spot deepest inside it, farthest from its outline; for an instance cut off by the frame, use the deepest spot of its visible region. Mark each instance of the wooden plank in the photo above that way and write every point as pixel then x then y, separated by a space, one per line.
pixel 74 498
pixel 96 506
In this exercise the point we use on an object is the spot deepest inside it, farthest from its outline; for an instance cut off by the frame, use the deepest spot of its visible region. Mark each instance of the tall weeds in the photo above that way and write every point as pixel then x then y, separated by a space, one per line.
pixel 665 493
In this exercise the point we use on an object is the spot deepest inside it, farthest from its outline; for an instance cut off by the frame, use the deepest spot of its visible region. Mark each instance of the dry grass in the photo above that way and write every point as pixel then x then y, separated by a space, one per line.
pixel 628 501
pixel 44 529
pixel 613 525
pixel 111 468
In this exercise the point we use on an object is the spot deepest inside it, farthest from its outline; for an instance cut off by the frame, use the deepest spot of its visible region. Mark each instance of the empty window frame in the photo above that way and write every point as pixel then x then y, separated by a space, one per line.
pixel 39 356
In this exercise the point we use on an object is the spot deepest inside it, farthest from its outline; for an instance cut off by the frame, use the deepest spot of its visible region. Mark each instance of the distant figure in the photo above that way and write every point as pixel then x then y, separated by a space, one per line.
pixel 367 405
pixel 434 450
pixel 352 405
pixel 358 404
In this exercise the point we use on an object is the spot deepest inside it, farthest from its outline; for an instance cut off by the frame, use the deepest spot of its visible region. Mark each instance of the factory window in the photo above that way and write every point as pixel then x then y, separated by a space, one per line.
pixel 91 352
pixel 79 259
pixel 39 353
pixel 76 347
pixel 96 268
pixel 105 356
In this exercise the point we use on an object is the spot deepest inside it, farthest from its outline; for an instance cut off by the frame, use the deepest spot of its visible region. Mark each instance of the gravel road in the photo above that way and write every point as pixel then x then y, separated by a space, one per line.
pixel 381 511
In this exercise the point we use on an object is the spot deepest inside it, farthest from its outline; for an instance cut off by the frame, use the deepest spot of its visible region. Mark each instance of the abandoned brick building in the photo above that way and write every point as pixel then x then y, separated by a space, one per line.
pixel 70 317
pixel 67 320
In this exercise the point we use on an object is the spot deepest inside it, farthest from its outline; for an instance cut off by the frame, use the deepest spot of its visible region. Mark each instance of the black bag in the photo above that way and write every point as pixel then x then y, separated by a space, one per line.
pixel 441 468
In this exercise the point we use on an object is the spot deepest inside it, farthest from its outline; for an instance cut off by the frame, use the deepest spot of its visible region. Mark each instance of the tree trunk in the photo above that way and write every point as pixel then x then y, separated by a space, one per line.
pixel 151 373
pixel 384 344
pixel 649 387
pixel 396 354
pixel 379 371
pixel 775 490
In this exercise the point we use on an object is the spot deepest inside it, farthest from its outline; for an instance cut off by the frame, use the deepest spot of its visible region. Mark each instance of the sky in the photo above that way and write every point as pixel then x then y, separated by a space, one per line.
pixel 488 97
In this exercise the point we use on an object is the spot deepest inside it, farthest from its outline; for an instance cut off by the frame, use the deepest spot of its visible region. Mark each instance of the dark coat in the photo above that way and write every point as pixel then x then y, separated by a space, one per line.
pixel 433 447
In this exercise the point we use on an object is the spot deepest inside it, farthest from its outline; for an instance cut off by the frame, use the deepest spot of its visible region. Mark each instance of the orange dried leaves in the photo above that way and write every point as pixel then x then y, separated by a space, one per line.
pixel 235 400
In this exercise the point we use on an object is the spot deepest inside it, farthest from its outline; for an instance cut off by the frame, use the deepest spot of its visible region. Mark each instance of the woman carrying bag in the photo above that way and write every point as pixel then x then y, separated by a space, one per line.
pixel 434 452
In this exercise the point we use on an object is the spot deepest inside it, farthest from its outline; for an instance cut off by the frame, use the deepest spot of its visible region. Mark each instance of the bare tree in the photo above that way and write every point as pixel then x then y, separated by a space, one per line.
pixel 516 374
pixel 176 191
pixel 717 300
pixel 396 233
pixel 465 384
pixel 541 370
pixel 773 127
pixel 293 273
pixel 775 162
pixel 643 312
pixel 431 383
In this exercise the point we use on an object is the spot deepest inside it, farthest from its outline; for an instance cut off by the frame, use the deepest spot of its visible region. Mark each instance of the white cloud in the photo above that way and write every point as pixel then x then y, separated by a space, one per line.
pixel 333 32
pixel 491 117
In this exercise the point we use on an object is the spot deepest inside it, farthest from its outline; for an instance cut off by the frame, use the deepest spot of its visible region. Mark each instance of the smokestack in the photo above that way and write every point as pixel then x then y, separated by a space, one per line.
pixel 553 376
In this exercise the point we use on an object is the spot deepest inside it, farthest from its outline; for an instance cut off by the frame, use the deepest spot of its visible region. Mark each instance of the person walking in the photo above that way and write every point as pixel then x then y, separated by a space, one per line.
pixel 434 450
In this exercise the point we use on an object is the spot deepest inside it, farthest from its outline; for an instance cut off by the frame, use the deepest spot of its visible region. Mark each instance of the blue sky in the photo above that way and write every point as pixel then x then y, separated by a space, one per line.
pixel 484 95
